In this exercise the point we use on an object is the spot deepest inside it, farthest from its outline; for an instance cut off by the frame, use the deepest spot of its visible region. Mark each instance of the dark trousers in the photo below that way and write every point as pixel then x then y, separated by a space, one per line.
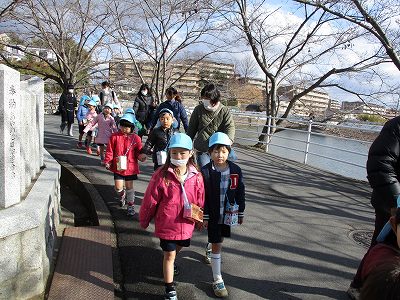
pixel 381 218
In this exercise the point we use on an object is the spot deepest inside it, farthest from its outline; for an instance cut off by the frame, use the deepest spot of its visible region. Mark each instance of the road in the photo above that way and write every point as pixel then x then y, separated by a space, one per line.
pixel 294 244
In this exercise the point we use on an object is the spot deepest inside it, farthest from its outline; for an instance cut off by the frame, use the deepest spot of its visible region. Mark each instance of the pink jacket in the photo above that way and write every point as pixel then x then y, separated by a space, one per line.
pixel 106 127
pixel 90 116
pixel 118 144
pixel 163 201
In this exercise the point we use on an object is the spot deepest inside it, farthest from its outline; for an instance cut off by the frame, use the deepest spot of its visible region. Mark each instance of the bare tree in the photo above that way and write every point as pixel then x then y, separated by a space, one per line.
pixel 7 7
pixel 163 33
pixel 69 29
pixel 380 18
pixel 246 67
pixel 308 49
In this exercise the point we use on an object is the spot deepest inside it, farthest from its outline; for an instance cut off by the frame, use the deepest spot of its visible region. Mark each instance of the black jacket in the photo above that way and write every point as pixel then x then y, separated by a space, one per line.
pixel 67 106
pixel 235 192
pixel 157 141
pixel 383 166
pixel 142 106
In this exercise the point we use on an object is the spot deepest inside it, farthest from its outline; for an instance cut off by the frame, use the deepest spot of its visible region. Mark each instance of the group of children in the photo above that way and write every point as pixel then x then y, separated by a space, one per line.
pixel 177 185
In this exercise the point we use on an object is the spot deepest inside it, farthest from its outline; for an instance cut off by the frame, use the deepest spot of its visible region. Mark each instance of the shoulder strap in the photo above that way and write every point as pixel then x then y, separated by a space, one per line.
pixel 215 115
pixel 127 150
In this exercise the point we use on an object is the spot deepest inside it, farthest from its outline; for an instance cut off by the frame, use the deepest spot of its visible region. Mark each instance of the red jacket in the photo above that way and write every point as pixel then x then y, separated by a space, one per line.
pixel 117 146
pixel 163 201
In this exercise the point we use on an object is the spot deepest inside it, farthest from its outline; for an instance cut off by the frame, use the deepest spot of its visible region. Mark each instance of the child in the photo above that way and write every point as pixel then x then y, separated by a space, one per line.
pixel 157 142
pixel 223 183
pixel 117 113
pixel 121 158
pixel 90 115
pixel 163 201
pixel 81 117
pixel 383 282
pixel 106 127
pixel 138 126
pixel 385 252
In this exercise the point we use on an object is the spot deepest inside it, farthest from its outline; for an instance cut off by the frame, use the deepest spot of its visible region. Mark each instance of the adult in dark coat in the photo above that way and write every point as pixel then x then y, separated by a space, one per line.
pixel 174 104
pixel 67 106
pixel 144 106
pixel 383 173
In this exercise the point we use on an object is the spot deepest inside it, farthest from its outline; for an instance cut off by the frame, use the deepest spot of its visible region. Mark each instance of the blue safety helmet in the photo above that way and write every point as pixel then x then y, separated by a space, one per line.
pixel 387 228
pixel 130 111
pixel 96 99
pixel 109 104
pixel 128 117
pixel 83 99
pixel 180 140
pixel 219 138
pixel 92 103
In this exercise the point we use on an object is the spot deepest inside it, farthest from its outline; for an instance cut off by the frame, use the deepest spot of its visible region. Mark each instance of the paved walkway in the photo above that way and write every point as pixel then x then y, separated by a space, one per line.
pixel 294 243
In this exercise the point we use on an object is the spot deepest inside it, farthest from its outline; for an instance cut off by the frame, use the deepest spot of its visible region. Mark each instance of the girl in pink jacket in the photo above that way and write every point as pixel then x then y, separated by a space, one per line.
pixel 171 188
pixel 106 127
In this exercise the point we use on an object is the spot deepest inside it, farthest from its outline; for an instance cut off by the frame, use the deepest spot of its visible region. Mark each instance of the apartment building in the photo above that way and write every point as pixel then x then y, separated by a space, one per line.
pixel 186 76
pixel 359 107
pixel 314 103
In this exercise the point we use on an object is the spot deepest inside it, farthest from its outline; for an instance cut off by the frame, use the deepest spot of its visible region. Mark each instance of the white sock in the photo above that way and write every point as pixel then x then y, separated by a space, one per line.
pixel 130 196
pixel 216 266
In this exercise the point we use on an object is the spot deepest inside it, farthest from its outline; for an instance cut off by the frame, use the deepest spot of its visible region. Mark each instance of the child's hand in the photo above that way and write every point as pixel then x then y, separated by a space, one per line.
pixel 205 224
pixel 240 220
pixel 108 166
pixel 142 157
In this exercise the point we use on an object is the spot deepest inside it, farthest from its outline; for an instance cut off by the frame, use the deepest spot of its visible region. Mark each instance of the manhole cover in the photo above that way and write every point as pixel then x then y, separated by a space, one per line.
pixel 361 237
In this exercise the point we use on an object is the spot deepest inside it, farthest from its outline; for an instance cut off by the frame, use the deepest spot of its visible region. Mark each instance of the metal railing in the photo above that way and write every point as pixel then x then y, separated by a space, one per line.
pixel 245 131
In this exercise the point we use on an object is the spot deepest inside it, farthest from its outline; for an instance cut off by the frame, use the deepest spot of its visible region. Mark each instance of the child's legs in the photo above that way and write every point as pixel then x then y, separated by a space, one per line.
pixel 168 266
pixel 119 186
pixel 130 192
pixel 216 234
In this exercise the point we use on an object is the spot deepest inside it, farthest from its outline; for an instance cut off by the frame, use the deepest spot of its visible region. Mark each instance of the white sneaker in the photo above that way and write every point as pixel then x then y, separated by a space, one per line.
pixel 219 289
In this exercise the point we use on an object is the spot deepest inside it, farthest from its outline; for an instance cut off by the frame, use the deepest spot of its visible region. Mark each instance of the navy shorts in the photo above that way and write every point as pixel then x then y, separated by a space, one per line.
pixel 217 232
pixel 126 178
pixel 170 245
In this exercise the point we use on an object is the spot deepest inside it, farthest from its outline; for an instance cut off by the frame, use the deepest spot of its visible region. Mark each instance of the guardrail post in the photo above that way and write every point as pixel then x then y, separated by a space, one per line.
pixel 308 140
pixel 268 134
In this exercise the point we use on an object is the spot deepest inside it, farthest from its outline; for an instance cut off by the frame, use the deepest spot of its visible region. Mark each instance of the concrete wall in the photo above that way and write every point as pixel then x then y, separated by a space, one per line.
pixel 29 189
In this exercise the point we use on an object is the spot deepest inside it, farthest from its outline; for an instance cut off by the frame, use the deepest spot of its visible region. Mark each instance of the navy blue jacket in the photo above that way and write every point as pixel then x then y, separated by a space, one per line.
pixel 179 113
pixel 235 192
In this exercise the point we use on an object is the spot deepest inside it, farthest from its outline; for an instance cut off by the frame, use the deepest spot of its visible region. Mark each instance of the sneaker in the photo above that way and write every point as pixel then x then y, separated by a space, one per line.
pixel 219 289
pixel 79 145
pixel 207 257
pixel 353 293
pixel 89 150
pixel 171 295
pixel 177 271
pixel 130 210
pixel 122 200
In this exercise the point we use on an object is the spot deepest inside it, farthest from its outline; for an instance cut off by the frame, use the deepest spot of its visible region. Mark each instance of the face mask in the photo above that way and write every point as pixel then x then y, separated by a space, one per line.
pixel 144 92
pixel 71 91
pixel 208 106
pixel 179 162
